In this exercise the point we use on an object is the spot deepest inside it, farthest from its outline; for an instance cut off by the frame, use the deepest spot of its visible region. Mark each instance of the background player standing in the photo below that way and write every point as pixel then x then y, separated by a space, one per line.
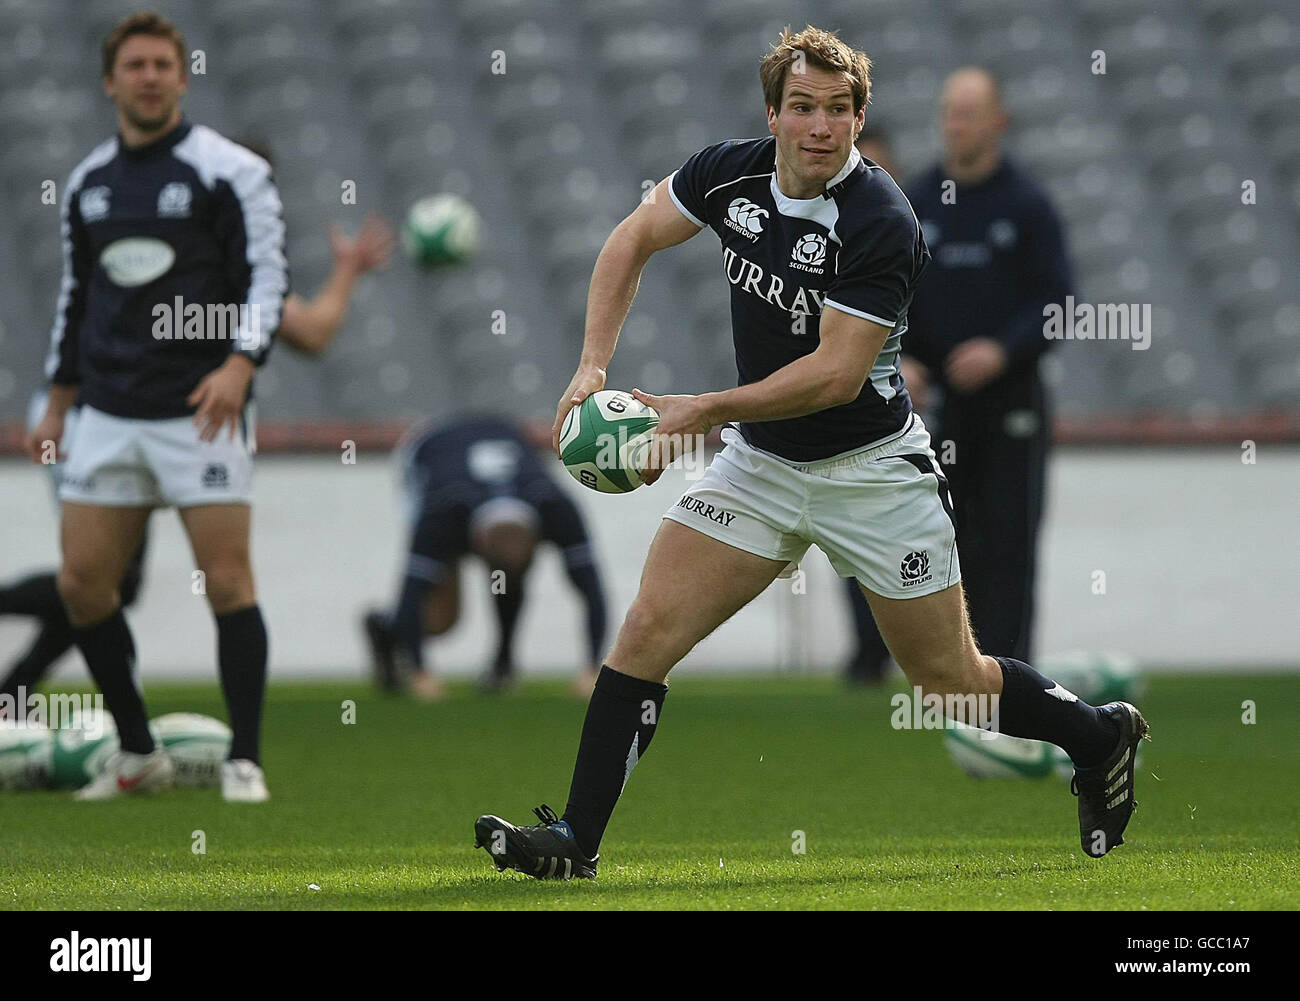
pixel 972 356
pixel 164 212
pixel 307 325
pixel 475 486
pixel 822 253
pixel 977 336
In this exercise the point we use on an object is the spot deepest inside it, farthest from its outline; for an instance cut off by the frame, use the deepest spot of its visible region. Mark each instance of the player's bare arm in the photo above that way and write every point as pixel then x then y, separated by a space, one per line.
pixel 832 375
pixel 655 225
pixel 310 325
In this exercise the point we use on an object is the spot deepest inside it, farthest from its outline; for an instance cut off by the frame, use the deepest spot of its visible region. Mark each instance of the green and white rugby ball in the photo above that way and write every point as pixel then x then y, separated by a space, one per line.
pixel 984 755
pixel 196 744
pixel 24 756
pixel 81 752
pixel 605 441
pixel 441 229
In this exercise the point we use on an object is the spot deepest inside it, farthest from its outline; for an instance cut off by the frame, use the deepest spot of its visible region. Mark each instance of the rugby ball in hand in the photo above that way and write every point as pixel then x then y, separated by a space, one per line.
pixel 605 441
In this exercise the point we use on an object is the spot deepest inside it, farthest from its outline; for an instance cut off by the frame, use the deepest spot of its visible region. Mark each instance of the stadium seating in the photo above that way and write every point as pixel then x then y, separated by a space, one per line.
pixel 600 98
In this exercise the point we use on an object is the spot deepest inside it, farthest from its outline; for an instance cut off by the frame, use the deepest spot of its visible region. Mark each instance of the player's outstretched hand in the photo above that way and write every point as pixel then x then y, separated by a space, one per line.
pixel 587 380
pixel 220 397
pixel 683 423
pixel 369 250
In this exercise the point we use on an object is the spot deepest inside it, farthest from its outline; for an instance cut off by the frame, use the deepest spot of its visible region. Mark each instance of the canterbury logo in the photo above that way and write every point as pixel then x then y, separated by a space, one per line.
pixel 746 217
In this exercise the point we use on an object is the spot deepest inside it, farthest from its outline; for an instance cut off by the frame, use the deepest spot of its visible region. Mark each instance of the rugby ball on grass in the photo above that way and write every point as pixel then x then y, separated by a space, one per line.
pixel 24 757
pixel 196 744
pixel 983 755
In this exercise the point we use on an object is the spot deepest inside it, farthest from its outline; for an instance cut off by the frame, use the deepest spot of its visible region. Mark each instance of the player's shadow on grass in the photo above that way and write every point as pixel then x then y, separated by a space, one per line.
pixel 609 888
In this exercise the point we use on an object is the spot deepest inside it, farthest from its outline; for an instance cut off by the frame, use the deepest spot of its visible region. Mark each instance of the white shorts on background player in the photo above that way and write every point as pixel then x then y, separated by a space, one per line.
pixel 126 461
pixel 874 514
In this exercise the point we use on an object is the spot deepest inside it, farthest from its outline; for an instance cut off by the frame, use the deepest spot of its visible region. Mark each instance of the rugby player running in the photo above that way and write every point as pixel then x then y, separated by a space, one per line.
pixel 822 252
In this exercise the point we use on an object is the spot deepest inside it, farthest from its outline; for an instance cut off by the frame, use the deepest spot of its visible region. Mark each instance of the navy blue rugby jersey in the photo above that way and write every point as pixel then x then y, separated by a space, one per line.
pixel 857 248
pixel 192 217
pixel 999 261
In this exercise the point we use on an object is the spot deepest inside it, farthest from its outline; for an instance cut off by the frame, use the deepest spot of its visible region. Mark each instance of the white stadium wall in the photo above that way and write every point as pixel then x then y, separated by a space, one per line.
pixel 1200 552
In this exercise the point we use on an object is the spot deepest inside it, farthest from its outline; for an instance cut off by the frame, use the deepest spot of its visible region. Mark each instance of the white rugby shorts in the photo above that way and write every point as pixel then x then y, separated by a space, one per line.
pixel 881 514
pixel 129 462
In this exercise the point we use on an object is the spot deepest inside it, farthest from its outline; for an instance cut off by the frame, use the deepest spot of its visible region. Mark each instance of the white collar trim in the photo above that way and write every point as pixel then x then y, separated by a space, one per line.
pixel 791 206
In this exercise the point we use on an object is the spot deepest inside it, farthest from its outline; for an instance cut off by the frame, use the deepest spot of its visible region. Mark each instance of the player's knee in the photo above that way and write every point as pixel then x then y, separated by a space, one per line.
pixel 228 585
pixel 87 595
pixel 646 623
pixel 947 673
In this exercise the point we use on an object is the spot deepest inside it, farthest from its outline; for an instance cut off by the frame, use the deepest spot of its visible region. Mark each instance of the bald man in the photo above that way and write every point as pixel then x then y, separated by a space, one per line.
pixel 976 336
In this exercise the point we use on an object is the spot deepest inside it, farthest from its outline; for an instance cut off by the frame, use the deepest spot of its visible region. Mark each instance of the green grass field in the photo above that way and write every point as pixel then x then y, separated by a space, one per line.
pixel 379 814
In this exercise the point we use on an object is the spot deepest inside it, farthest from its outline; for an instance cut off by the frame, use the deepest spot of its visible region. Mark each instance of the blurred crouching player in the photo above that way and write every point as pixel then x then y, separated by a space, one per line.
pixel 477 487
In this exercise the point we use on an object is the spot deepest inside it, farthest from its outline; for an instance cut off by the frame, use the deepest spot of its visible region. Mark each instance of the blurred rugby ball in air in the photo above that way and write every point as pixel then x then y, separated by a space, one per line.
pixel 605 441
pixel 441 229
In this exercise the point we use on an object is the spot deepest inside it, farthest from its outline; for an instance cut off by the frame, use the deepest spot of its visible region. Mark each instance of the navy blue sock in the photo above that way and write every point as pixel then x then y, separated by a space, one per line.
pixel 507 605
pixel 51 643
pixel 621 720
pixel 1028 709
pixel 241 659
pixel 35 595
pixel 110 656
pixel 407 623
